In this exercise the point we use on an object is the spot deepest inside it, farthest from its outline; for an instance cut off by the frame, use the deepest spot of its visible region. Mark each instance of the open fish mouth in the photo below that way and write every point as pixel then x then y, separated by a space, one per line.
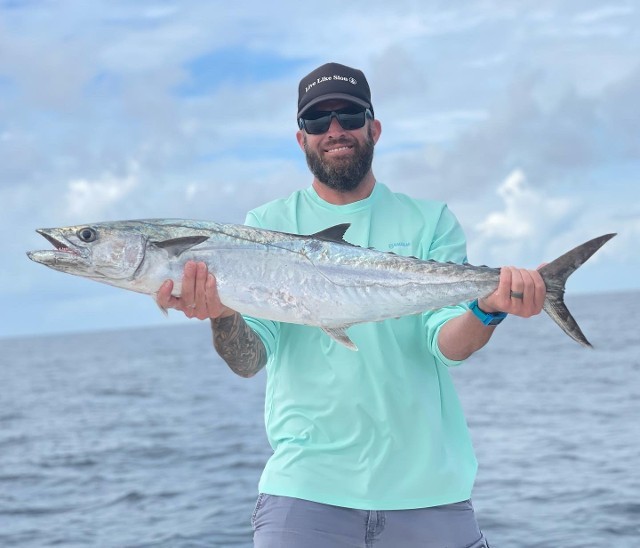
pixel 64 256
pixel 57 243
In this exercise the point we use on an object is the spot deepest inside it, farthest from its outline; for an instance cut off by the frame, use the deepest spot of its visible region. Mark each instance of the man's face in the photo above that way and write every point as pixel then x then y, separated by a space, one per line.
pixel 339 158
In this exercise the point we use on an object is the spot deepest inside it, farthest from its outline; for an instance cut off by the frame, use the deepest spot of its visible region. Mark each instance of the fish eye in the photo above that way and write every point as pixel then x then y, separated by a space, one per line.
pixel 87 234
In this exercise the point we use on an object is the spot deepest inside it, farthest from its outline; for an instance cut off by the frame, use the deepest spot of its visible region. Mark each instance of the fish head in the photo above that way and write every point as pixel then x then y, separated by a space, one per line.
pixel 102 251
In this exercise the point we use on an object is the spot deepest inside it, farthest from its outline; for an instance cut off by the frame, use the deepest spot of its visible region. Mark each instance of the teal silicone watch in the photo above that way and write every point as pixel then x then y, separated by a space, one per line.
pixel 487 318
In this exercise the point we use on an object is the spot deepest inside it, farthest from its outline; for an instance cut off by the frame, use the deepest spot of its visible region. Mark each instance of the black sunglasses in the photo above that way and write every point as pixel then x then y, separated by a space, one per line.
pixel 349 118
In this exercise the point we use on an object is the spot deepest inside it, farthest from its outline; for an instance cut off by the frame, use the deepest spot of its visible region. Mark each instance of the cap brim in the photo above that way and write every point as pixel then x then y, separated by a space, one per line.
pixel 330 96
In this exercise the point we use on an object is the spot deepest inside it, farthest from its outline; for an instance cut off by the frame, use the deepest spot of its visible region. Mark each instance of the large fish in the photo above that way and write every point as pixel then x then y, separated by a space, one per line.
pixel 319 280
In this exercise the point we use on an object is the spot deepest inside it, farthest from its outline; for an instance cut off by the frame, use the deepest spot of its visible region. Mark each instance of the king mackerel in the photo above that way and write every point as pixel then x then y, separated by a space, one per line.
pixel 319 280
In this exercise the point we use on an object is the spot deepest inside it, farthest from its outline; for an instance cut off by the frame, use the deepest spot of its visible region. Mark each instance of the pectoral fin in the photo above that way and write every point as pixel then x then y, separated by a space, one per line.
pixel 176 246
pixel 164 311
pixel 339 334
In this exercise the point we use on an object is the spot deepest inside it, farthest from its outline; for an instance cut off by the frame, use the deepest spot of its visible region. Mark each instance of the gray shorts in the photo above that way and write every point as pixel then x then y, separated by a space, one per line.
pixel 285 522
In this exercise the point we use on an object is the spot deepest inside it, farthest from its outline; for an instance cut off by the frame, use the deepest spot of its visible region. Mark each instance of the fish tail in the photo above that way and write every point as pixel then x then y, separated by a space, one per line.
pixel 555 275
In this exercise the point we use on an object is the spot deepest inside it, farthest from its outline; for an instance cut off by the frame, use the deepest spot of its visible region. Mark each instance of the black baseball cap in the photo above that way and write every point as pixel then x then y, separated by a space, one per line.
pixel 333 81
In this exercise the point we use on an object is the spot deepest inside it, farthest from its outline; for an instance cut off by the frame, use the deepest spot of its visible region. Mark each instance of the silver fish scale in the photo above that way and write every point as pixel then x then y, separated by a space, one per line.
pixel 299 279
pixel 331 284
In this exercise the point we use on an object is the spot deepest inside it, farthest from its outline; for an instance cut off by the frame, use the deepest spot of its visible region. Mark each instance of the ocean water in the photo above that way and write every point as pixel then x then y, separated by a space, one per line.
pixel 144 439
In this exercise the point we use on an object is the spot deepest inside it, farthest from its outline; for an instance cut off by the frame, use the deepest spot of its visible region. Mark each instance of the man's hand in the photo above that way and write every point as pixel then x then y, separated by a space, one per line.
pixel 520 292
pixel 233 339
pixel 199 297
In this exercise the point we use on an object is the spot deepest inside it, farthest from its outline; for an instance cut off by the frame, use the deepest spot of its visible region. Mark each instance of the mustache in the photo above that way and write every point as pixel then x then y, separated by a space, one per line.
pixel 342 140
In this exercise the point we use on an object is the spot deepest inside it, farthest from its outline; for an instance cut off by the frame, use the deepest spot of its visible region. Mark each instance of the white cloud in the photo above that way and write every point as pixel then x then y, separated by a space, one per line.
pixel 89 199
pixel 524 210
pixel 525 226
pixel 604 12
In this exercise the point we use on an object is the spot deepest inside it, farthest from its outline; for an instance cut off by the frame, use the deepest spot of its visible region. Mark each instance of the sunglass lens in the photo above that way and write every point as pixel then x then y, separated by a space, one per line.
pixel 351 121
pixel 315 126
pixel 318 123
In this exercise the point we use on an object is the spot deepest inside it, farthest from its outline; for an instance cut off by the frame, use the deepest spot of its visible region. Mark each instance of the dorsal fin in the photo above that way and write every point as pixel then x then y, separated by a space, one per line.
pixel 333 233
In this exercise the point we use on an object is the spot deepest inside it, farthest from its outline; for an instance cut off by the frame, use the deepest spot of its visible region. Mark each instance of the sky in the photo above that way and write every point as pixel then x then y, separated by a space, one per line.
pixel 522 116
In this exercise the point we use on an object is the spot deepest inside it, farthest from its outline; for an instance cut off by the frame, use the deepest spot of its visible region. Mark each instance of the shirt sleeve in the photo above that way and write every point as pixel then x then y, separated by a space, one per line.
pixel 448 245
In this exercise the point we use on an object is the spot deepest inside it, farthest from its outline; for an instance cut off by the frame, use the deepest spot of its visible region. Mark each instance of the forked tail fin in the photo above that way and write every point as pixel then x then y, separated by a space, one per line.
pixel 555 276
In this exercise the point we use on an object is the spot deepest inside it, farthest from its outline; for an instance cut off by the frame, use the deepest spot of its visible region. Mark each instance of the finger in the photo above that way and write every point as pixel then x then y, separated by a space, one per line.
pixel 527 307
pixel 504 288
pixel 500 298
pixel 165 299
pixel 517 291
pixel 188 294
pixel 163 295
pixel 518 283
pixel 540 291
pixel 533 290
pixel 200 301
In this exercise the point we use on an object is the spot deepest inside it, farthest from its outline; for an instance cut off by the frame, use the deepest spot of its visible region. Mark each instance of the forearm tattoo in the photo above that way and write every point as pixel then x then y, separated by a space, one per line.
pixel 238 345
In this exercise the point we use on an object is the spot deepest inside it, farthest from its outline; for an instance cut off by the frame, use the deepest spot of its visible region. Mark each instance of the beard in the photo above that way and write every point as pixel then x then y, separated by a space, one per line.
pixel 342 174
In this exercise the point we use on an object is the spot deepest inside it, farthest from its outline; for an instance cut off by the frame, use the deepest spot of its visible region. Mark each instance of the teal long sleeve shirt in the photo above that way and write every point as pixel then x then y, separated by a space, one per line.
pixel 381 428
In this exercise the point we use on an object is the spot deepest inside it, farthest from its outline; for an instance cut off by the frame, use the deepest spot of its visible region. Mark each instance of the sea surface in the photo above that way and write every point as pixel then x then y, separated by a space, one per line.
pixel 143 438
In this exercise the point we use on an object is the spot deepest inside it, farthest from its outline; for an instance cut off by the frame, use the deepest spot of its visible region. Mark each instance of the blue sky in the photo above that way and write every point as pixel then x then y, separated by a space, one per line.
pixel 522 116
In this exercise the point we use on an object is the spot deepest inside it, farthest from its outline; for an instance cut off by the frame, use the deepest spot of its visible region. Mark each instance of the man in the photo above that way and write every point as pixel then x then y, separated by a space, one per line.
pixel 371 447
